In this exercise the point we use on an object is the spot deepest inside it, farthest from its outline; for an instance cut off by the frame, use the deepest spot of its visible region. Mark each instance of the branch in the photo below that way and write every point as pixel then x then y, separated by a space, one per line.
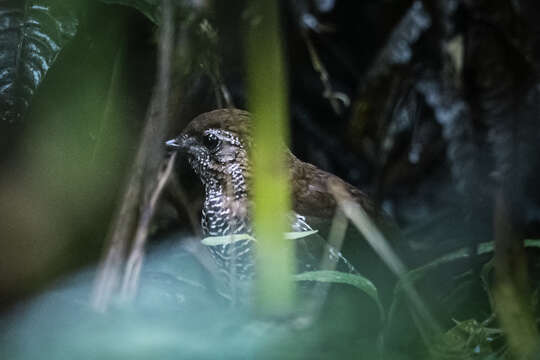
pixel 143 174
pixel 136 257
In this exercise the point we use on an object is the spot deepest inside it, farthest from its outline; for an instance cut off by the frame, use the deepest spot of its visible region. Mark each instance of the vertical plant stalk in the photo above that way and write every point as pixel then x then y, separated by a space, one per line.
pixel 135 260
pixel 268 102
pixel 336 236
pixel 143 174
pixel 511 293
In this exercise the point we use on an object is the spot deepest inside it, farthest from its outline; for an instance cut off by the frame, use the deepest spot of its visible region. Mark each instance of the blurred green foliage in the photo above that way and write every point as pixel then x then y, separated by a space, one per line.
pixel 63 174
pixel 57 198
pixel 267 91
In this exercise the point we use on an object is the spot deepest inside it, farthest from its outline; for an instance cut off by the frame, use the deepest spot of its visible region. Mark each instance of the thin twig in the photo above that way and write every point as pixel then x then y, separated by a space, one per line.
pixel 318 66
pixel 336 236
pixel 226 95
pixel 378 242
pixel 136 257
pixel 108 273
pixel 338 229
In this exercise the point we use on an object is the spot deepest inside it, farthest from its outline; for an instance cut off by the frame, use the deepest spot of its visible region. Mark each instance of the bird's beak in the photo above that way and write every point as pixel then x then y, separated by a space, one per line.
pixel 183 142
pixel 173 145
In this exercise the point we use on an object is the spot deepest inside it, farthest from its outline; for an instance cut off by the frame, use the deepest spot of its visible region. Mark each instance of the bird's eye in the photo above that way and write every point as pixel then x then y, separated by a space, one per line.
pixel 211 142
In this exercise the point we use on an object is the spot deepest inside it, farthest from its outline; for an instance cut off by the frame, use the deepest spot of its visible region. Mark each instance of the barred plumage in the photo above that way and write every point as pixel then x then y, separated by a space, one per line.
pixel 217 144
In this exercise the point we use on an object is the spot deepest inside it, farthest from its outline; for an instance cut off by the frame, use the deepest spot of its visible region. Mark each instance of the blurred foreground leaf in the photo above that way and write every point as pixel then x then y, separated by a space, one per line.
pixel 32 34
pixel 176 316
pixel 268 102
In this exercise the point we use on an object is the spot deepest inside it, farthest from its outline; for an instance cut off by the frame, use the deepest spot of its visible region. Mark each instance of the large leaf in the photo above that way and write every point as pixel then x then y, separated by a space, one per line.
pixel 32 34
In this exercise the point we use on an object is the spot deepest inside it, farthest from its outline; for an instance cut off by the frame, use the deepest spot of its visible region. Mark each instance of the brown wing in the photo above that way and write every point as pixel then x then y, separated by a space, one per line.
pixel 311 196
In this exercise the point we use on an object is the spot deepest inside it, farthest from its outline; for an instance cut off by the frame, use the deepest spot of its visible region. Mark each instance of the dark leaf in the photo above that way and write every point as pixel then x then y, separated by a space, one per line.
pixel 422 272
pixel 32 34
pixel 150 8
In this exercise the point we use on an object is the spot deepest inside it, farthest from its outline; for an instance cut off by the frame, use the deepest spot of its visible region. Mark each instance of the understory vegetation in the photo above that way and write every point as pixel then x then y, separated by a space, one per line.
pixel 432 107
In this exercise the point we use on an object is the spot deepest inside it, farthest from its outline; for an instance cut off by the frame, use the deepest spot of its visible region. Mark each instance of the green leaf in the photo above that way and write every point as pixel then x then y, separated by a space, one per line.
pixel 532 243
pixel 32 34
pixel 227 239
pixel 419 273
pixel 299 234
pixel 337 277
pixel 463 253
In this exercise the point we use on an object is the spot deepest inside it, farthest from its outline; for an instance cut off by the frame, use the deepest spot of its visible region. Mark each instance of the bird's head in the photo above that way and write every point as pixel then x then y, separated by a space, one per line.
pixel 217 145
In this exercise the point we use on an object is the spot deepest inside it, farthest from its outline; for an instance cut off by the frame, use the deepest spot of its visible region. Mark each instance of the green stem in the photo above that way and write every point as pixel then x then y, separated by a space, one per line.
pixel 268 102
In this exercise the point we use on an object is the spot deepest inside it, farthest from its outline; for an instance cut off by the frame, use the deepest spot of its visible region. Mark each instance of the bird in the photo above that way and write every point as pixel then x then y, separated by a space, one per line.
pixel 217 145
